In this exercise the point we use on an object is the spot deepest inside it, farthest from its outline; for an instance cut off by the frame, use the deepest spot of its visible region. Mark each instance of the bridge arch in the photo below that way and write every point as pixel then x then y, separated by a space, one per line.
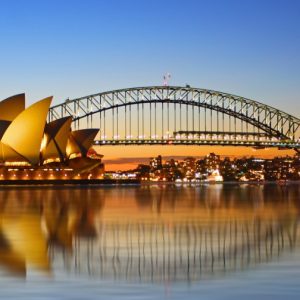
pixel 210 117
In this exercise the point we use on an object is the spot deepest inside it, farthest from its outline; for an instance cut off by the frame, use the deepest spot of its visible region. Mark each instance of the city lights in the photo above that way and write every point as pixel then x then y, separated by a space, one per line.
pixel 213 168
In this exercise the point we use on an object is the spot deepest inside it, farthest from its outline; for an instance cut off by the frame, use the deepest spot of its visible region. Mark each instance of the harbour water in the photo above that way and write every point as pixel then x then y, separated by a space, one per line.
pixel 217 241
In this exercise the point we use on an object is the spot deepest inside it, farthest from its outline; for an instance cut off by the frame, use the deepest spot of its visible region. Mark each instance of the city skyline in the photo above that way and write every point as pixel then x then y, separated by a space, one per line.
pixel 214 169
pixel 113 162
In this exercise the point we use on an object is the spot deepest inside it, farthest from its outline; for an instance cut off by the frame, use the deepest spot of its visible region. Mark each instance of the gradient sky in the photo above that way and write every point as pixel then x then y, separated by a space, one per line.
pixel 75 48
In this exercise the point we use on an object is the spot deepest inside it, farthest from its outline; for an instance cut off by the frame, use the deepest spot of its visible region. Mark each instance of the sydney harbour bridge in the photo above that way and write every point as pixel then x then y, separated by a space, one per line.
pixel 169 115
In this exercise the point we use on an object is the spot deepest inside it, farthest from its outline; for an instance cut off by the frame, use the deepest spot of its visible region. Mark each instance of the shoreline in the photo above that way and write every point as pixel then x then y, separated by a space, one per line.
pixel 220 182
pixel 88 183
pixel 71 182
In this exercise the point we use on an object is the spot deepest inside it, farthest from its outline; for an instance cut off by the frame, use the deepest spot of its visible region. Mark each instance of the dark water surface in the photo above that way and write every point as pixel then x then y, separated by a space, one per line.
pixel 150 242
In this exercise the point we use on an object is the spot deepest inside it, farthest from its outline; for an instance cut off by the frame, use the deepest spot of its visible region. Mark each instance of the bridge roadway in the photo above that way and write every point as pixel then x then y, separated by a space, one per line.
pixel 168 115
pixel 208 142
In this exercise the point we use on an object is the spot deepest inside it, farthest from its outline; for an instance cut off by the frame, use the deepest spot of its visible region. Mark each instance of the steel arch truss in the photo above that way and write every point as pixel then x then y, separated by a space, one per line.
pixel 269 126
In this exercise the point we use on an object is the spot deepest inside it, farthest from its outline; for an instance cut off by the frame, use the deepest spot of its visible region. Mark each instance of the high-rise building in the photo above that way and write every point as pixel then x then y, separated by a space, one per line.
pixel 156 163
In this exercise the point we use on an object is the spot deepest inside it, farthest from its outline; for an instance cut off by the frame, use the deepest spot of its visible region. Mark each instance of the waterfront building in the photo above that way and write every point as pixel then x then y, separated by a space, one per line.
pixel 31 148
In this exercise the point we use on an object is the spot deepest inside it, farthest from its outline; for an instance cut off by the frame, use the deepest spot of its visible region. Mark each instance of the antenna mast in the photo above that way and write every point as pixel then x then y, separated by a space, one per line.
pixel 166 78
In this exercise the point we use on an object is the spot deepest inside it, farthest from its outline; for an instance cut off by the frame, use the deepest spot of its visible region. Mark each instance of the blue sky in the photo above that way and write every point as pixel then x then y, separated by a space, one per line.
pixel 75 48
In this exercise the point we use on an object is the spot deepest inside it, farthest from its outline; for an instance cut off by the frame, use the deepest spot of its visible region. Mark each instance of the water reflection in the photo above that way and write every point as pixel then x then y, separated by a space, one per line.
pixel 147 233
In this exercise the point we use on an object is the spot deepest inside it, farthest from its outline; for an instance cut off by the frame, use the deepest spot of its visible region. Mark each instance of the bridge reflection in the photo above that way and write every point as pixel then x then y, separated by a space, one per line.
pixel 148 233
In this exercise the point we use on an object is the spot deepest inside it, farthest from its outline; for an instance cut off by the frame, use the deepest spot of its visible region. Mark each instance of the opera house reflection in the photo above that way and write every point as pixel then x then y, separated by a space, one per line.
pixel 146 233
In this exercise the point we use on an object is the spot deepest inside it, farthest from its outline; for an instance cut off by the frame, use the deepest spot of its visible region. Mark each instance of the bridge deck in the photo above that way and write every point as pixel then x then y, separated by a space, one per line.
pixel 208 142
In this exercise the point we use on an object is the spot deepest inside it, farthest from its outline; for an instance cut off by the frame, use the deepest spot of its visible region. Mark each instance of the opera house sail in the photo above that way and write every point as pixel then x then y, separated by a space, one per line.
pixel 31 148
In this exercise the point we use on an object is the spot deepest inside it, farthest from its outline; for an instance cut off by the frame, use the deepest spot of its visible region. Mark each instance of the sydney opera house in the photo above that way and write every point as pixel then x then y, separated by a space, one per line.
pixel 31 148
